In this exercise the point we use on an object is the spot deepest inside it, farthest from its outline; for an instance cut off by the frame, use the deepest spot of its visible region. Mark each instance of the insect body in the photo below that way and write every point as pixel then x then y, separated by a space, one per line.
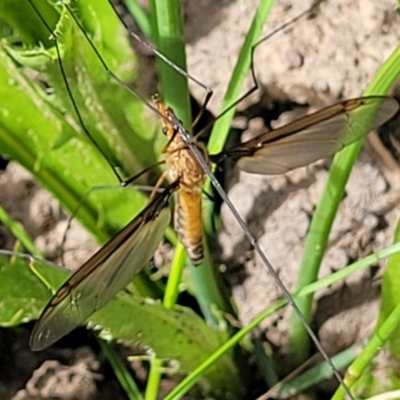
pixel 183 166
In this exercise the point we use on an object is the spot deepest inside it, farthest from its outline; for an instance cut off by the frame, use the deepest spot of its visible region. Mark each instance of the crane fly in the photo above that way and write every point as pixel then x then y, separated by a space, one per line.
pixel 121 258
pixel 296 144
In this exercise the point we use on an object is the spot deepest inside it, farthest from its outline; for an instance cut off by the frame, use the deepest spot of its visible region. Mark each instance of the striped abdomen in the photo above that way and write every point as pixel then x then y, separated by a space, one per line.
pixel 183 167
pixel 188 224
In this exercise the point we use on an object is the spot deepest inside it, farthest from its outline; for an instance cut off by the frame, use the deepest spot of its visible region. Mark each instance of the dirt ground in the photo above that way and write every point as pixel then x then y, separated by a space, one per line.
pixel 333 54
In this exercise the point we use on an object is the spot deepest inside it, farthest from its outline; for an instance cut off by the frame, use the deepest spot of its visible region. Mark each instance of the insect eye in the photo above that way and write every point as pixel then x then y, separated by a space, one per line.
pixel 164 130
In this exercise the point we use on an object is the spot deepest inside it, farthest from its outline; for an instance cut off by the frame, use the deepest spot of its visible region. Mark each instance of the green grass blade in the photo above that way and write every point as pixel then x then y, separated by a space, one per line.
pixel 19 232
pixel 168 29
pixel 140 16
pixel 391 296
pixel 120 370
pixel 154 379
pixel 315 375
pixel 222 126
pixel 382 334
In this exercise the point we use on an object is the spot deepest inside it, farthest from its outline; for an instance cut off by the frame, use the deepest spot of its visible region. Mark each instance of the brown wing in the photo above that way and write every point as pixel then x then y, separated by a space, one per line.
pixel 310 138
pixel 104 274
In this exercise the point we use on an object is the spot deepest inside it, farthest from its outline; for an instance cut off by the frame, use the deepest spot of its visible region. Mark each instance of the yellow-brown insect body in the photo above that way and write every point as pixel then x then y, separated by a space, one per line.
pixel 182 165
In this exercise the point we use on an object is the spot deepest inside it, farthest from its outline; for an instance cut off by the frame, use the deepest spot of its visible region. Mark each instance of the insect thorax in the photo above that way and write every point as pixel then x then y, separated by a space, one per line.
pixel 183 165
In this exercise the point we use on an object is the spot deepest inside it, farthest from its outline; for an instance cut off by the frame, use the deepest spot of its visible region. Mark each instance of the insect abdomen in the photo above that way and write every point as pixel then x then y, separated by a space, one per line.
pixel 188 224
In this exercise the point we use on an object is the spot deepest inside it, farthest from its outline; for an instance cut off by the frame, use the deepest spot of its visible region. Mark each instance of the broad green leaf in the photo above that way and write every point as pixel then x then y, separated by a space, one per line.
pixel 177 334
pixel 40 129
